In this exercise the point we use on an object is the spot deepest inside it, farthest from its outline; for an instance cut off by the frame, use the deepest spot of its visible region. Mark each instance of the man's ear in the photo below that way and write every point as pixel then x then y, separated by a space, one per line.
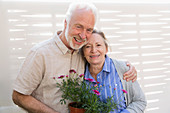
pixel 65 24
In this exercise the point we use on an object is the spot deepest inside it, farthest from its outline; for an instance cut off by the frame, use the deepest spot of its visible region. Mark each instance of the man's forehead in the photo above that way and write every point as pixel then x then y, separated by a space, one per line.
pixel 81 10
pixel 88 26
pixel 83 17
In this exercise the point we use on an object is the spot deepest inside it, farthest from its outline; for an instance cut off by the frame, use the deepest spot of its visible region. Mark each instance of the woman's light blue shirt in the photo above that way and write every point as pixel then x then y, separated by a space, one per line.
pixel 108 80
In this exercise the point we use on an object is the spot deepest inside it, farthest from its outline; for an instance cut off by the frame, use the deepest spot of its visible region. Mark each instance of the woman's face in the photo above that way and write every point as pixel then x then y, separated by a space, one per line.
pixel 95 50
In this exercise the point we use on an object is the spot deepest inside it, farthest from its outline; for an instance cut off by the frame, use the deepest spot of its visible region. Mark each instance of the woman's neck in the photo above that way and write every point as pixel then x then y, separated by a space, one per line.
pixel 94 70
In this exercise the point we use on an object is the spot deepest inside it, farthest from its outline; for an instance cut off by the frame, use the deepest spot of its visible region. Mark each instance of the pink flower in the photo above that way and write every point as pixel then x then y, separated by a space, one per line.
pixel 97 82
pixel 114 88
pixel 67 76
pixel 72 70
pixel 95 85
pixel 53 77
pixel 96 92
pixel 62 76
pixel 89 79
pixel 124 91
pixel 82 75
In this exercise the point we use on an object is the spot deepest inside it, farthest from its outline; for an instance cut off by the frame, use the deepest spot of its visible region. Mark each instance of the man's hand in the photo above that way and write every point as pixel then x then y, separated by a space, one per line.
pixel 30 104
pixel 131 74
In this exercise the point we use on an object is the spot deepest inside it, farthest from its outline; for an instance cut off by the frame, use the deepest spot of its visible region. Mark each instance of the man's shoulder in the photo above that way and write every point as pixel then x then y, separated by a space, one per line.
pixel 42 46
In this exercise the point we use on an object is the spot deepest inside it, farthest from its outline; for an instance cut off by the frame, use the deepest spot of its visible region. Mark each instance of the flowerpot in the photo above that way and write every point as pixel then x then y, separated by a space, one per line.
pixel 74 109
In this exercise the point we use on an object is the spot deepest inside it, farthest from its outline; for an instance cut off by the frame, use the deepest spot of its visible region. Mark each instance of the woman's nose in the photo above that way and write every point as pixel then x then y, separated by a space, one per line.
pixel 94 49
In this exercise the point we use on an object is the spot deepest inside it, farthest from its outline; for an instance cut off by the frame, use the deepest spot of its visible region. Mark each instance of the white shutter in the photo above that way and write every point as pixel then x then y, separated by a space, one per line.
pixel 139 33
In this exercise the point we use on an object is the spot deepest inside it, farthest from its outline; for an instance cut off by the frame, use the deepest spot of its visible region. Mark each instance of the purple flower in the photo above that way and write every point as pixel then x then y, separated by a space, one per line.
pixel 72 70
pixel 97 82
pixel 82 75
pixel 62 76
pixel 124 91
pixel 89 79
pixel 96 92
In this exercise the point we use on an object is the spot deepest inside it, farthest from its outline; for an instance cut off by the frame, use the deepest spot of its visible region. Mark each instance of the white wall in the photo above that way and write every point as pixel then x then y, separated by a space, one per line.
pixel 138 33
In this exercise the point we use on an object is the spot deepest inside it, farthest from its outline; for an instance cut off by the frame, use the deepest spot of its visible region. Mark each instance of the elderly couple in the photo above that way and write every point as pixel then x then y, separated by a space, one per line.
pixel 35 90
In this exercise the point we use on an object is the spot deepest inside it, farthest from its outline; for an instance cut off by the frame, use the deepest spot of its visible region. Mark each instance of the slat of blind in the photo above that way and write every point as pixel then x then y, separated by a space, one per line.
pixel 138 33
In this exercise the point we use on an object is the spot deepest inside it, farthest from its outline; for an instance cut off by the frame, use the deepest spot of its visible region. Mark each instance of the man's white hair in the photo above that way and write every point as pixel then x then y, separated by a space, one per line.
pixel 80 5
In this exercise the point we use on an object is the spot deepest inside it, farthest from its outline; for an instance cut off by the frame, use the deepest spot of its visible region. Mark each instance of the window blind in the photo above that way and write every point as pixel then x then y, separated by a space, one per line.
pixel 138 33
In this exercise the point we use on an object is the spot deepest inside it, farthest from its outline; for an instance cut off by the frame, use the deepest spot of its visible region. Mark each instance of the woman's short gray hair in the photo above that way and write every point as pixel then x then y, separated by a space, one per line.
pixel 80 5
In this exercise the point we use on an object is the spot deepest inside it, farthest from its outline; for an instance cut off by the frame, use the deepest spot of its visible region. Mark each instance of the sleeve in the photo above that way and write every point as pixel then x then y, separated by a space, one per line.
pixel 30 74
pixel 136 102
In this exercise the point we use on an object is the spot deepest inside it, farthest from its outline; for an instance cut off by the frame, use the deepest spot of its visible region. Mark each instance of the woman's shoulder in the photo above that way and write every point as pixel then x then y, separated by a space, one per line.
pixel 120 65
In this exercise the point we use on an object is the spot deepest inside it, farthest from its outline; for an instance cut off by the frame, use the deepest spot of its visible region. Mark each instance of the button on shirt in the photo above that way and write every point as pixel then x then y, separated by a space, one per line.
pixel 109 79
pixel 46 60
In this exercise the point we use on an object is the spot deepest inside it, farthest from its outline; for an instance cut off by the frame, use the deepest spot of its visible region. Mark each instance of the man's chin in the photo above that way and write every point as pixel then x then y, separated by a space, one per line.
pixel 76 47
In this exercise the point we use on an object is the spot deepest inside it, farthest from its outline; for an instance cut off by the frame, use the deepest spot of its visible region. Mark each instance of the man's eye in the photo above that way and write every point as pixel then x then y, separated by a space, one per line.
pixel 89 30
pixel 98 44
pixel 78 26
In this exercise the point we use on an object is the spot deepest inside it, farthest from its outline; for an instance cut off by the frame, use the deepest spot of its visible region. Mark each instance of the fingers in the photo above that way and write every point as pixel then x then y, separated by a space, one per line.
pixel 130 71
pixel 131 74
pixel 134 79
pixel 127 63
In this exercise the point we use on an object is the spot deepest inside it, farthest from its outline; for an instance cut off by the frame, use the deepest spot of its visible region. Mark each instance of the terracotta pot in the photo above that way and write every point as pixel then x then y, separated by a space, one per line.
pixel 75 110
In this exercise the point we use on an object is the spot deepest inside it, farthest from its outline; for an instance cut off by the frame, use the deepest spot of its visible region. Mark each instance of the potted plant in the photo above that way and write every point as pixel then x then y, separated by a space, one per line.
pixel 82 95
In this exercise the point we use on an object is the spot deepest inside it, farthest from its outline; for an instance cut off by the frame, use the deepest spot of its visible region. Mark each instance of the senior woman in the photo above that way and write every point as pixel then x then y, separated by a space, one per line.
pixel 105 70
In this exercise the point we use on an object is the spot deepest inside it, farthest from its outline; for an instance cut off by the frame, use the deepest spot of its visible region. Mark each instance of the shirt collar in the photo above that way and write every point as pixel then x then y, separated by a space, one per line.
pixel 106 66
pixel 61 45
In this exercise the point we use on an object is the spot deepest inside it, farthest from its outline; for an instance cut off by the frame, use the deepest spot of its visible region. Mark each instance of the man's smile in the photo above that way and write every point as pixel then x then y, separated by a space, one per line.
pixel 79 40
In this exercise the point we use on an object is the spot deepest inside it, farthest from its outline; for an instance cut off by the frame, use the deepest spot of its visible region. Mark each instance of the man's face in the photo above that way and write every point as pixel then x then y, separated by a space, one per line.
pixel 79 29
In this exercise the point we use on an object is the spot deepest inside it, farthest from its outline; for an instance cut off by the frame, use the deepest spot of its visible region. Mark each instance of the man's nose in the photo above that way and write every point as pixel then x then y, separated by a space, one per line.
pixel 83 34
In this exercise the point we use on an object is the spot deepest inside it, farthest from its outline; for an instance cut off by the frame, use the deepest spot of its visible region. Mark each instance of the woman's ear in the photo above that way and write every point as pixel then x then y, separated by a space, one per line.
pixel 106 49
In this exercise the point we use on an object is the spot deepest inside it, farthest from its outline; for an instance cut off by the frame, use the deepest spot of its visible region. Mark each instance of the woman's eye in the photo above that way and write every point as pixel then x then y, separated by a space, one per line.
pixel 87 46
pixel 98 44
